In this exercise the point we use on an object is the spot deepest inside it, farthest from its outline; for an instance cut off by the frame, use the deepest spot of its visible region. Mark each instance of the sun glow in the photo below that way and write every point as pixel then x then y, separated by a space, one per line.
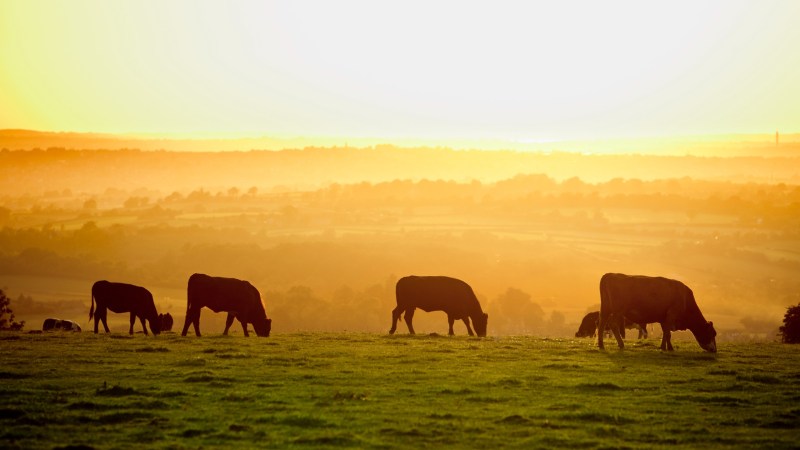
pixel 442 71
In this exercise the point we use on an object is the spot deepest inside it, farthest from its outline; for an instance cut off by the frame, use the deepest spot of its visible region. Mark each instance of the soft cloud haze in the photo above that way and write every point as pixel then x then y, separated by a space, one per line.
pixel 440 70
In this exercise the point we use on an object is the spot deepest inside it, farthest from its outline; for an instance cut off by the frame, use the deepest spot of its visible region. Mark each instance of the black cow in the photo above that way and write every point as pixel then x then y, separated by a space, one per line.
pixel 60 325
pixel 238 297
pixel 166 322
pixel 122 298
pixel 588 327
pixel 652 299
pixel 450 295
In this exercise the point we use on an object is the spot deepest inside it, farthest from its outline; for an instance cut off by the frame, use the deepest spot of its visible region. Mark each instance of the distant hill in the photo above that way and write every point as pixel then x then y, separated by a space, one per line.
pixel 715 145
pixel 28 140
pixel 94 171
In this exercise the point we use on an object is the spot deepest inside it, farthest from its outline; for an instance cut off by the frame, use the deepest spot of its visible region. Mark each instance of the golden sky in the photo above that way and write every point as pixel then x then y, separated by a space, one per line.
pixel 526 71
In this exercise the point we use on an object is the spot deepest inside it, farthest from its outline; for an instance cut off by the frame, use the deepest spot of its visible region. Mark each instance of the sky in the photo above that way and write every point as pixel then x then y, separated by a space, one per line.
pixel 526 71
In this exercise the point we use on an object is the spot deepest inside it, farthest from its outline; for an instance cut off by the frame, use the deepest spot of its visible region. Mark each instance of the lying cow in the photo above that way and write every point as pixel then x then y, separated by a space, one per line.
pixel 652 299
pixel 588 327
pixel 239 298
pixel 450 295
pixel 60 325
pixel 122 298
pixel 165 321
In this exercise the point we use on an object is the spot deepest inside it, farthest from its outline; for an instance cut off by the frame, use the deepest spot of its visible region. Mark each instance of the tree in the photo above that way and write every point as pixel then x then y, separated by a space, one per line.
pixel 7 321
pixel 790 330
pixel 514 312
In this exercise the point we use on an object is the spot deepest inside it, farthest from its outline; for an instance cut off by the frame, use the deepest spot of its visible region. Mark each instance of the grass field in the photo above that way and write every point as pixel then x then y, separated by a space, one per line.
pixel 381 391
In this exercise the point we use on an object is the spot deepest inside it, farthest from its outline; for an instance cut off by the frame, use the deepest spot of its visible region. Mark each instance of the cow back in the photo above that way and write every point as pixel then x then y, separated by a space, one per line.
pixel 643 299
pixel 229 294
pixel 438 293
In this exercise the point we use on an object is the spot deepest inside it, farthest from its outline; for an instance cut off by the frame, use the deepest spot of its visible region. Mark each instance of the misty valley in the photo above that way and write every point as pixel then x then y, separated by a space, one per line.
pixel 326 254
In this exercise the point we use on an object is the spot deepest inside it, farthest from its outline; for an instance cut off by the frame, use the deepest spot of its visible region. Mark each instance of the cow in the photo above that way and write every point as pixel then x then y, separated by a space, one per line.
pixel 588 327
pixel 166 322
pixel 238 297
pixel 450 295
pixel 122 298
pixel 645 299
pixel 60 325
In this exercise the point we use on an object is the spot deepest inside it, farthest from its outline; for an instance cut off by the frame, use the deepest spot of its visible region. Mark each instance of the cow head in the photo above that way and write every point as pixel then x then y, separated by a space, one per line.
pixel 706 337
pixel 479 322
pixel 155 325
pixel 262 327
pixel 587 329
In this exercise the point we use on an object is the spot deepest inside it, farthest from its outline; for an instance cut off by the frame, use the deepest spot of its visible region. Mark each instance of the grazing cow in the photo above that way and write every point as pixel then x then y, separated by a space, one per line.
pixel 122 298
pixel 588 327
pixel 60 325
pixel 652 299
pixel 450 295
pixel 166 322
pixel 238 297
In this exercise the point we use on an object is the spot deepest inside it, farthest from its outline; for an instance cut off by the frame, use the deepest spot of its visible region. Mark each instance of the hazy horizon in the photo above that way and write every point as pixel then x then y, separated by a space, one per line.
pixel 721 145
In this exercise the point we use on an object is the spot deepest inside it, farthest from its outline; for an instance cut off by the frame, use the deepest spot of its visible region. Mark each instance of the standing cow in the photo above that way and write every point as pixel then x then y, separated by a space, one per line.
pixel 652 299
pixel 122 298
pixel 239 298
pixel 450 295
pixel 588 327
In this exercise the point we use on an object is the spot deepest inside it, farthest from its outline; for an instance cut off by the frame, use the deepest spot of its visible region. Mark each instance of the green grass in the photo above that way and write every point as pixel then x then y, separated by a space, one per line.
pixel 380 391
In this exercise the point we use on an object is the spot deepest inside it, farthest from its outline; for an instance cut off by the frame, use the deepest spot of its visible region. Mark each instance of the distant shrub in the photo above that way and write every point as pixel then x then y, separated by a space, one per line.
pixel 790 330
pixel 7 321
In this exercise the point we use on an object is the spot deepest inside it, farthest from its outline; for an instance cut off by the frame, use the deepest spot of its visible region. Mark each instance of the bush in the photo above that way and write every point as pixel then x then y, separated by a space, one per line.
pixel 7 321
pixel 790 330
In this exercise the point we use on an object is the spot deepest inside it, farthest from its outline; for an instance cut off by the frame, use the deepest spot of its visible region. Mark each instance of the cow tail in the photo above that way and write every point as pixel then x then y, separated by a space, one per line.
pixel 91 309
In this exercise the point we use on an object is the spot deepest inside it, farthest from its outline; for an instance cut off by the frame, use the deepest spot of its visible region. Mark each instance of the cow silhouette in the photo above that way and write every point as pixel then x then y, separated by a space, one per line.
pixel 438 293
pixel 166 322
pixel 239 298
pixel 643 299
pixel 51 324
pixel 588 327
pixel 122 298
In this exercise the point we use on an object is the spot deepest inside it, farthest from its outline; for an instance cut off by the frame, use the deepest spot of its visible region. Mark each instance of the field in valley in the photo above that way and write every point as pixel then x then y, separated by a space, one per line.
pixel 380 391
pixel 325 250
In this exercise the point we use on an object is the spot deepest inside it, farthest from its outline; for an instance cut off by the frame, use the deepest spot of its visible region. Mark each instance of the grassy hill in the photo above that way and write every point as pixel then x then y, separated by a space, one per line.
pixel 379 391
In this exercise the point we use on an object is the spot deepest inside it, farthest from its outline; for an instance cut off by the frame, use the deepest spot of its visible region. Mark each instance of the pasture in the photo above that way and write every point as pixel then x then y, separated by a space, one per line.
pixel 379 391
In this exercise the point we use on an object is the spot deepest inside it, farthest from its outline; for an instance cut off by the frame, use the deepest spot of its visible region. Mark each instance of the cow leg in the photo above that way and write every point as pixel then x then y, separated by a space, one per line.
pixel 196 323
pixel 144 327
pixel 617 323
pixel 469 328
pixel 186 322
pixel 133 322
pixel 96 320
pixel 602 324
pixel 104 318
pixel 450 321
pixel 396 313
pixel 666 338
pixel 228 323
pixel 244 327
pixel 192 317
pixel 409 315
